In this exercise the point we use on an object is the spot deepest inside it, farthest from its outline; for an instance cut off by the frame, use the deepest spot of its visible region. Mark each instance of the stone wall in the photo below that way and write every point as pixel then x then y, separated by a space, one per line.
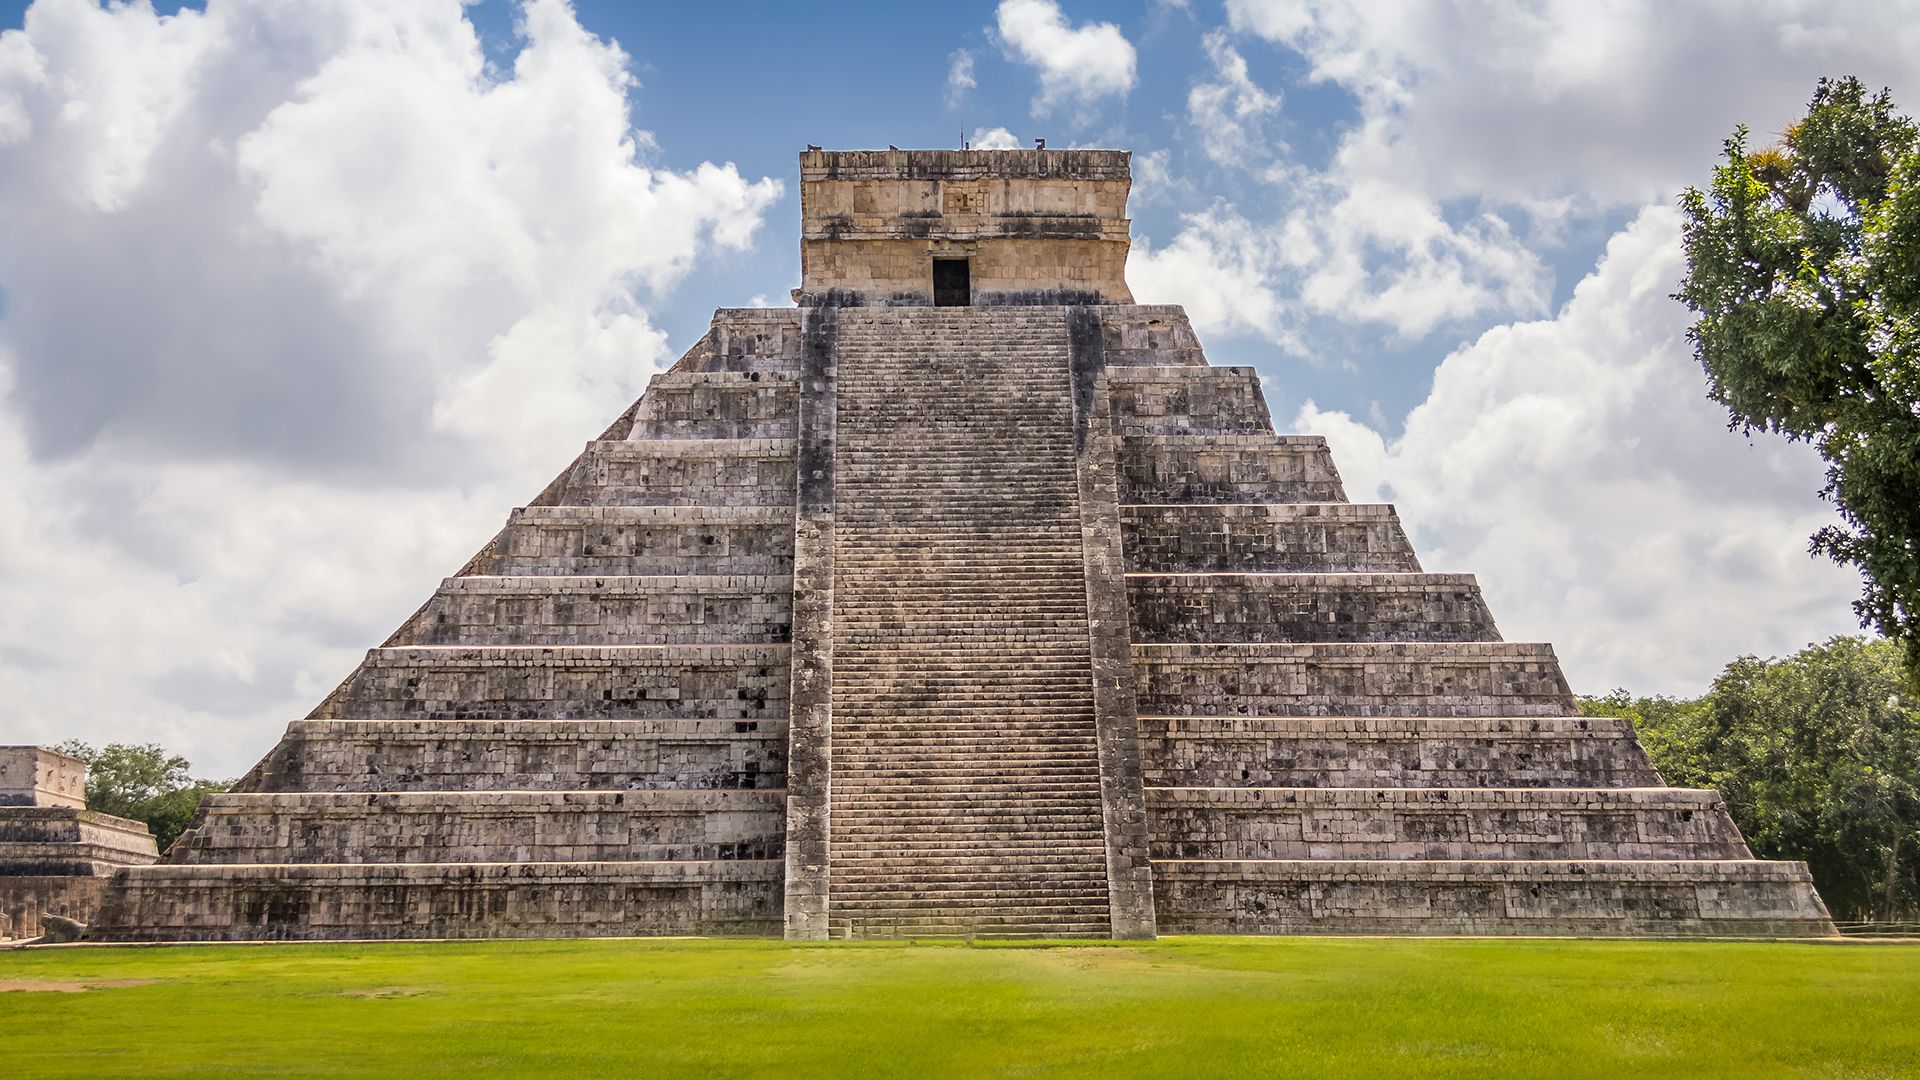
pixel 1308 607
pixel 37 776
pixel 641 540
pixel 486 827
pixel 1441 823
pixel 1187 401
pixel 1393 751
pixel 716 405
pixel 1527 898
pixel 1035 226
pixel 1335 538
pixel 1227 468
pixel 55 857
pixel 682 472
pixel 1365 679
pixel 747 682
pixel 473 900
pixel 636 610
pixel 534 755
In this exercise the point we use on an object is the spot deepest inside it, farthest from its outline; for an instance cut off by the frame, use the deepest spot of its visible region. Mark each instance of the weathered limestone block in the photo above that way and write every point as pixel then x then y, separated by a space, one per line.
pixel 747 682
pixel 1462 823
pixel 473 900
pixel 641 540
pixel 1187 401
pixel 489 826
pixel 681 472
pixel 716 405
pixel 753 339
pixel 1392 751
pixel 533 755
pixel 1537 897
pixel 1227 469
pixel 626 610
pixel 1337 538
pixel 1148 335
pixel 1368 679
pixel 1308 607
pixel 1035 226
pixel 30 832
pixel 37 776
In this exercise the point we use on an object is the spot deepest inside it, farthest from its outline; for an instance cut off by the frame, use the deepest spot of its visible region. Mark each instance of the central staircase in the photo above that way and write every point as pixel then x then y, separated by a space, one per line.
pixel 965 786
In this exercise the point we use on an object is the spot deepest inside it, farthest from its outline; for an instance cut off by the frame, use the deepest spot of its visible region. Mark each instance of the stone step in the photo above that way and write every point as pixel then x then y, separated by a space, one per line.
pixel 542 755
pixel 718 404
pixel 1227 469
pixel 754 339
pixel 932 818
pixel 1396 751
pixel 486 826
pixel 1446 823
pixel 681 472
pixel 1641 897
pixel 1187 401
pixel 659 609
pixel 1267 607
pixel 747 682
pixel 1345 679
pixel 319 902
pixel 68 859
pixel 1265 537
pixel 960 599
pixel 72 825
pixel 641 540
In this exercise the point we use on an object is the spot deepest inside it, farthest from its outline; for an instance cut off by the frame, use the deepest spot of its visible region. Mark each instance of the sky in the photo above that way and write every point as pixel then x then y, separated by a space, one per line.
pixel 298 298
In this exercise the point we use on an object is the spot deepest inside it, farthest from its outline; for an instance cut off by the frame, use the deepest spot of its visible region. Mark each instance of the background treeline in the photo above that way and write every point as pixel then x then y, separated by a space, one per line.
pixel 1818 755
pixel 145 783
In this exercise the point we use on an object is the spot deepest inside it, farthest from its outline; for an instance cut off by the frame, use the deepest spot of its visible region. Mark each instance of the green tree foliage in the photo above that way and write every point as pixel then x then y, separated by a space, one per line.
pixel 1803 266
pixel 144 783
pixel 1818 755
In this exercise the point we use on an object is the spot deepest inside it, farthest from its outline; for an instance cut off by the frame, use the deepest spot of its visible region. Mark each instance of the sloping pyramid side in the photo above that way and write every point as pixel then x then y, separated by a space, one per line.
pixel 1334 741
pixel 582 732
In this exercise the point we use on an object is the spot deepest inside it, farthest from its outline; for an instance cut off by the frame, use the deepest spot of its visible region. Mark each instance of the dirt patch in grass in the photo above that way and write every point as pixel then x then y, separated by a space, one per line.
pixel 54 986
pixel 386 992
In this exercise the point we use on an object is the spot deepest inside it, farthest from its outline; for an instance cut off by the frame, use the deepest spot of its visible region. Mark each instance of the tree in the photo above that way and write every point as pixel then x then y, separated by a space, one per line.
pixel 144 783
pixel 1803 266
pixel 1818 756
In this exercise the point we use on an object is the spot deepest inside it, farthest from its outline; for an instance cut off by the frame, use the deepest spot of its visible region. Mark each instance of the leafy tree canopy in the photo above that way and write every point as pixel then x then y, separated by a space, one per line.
pixel 144 783
pixel 1818 756
pixel 1803 267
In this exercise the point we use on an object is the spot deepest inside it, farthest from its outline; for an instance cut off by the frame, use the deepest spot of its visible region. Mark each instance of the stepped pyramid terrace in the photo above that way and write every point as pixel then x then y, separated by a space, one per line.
pixel 56 856
pixel 964 597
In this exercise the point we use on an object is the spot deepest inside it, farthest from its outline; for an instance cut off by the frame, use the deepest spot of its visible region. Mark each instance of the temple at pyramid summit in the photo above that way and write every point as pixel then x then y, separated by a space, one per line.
pixel 963 597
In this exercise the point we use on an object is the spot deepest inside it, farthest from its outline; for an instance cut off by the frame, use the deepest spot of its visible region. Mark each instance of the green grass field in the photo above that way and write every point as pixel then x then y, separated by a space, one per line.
pixel 1179 1007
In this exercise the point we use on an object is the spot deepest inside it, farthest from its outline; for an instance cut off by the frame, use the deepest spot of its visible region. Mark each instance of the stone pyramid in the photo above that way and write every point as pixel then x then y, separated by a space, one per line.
pixel 964 597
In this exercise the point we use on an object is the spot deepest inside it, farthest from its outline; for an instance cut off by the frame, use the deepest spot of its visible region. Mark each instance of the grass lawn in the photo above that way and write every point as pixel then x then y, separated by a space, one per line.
pixel 1293 1007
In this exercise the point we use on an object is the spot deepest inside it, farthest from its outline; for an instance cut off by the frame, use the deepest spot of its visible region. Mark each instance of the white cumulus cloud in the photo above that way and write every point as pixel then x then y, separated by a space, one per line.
pixel 959 77
pixel 997 138
pixel 1077 65
pixel 300 299
pixel 1227 111
pixel 1575 464
pixel 1484 130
